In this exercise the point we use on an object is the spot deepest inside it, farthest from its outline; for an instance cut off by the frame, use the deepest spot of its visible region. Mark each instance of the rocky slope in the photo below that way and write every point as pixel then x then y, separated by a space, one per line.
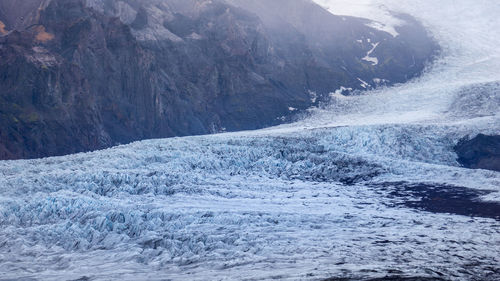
pixel 80 75
pixel 480 152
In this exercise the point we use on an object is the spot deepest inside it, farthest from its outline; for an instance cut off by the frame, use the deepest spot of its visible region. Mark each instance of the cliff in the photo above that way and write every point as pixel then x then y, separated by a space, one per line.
pixel 81 75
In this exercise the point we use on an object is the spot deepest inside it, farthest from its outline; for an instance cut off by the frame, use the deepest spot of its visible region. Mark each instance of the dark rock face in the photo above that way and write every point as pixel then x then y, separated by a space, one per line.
pixel 67 81
pixel 81 75
pixel 481 152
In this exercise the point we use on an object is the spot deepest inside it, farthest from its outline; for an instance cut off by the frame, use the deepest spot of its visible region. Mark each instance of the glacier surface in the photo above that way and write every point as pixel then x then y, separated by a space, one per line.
pixel 301 201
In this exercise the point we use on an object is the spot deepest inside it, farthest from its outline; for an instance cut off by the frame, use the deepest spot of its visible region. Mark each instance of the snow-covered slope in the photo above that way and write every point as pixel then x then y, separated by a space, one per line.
pixel 304 201
pixel 374 10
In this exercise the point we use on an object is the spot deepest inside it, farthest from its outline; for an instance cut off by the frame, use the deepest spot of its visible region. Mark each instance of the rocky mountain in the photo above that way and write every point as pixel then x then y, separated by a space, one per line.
pixel 80 75
pixel 480 152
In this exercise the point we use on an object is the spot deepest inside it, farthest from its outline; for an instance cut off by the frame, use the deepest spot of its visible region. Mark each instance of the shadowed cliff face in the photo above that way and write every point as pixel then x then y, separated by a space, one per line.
pixel 21 14
pixel 82 75
pixel 341 44
pixel 480 152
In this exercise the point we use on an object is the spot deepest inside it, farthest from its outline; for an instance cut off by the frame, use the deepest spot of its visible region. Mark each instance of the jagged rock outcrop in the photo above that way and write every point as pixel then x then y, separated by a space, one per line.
pixel 480 152
pixel 80 75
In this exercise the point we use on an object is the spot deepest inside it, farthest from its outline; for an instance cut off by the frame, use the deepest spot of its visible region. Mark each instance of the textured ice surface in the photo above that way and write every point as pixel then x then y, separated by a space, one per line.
pixel 290 206
pixel 296 202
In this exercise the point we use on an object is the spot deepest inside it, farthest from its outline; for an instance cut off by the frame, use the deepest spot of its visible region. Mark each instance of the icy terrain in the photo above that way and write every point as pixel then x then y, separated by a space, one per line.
pixel 303 201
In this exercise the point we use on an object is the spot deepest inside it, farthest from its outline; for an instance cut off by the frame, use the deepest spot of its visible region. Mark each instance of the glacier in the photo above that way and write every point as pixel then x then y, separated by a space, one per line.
pixel 302 201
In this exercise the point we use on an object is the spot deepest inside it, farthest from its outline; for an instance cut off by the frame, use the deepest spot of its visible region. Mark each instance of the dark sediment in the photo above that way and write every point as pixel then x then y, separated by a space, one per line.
pixel 389 278
pixel 444 199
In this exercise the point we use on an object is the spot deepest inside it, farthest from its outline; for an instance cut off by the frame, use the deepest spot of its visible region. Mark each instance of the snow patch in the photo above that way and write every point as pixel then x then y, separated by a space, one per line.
pixel 368 58
pixel 384 27
pixel 375 10
pixel 195 36
pixel 340 92
pixel 379 81
pixel 363 84
pixel 313 96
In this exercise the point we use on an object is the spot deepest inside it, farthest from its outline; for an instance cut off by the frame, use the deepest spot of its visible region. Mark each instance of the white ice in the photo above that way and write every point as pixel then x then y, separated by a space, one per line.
pixel 381 16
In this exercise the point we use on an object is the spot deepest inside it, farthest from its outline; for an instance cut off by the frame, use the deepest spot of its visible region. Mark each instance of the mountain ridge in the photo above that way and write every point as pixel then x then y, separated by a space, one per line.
pixel 85 75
